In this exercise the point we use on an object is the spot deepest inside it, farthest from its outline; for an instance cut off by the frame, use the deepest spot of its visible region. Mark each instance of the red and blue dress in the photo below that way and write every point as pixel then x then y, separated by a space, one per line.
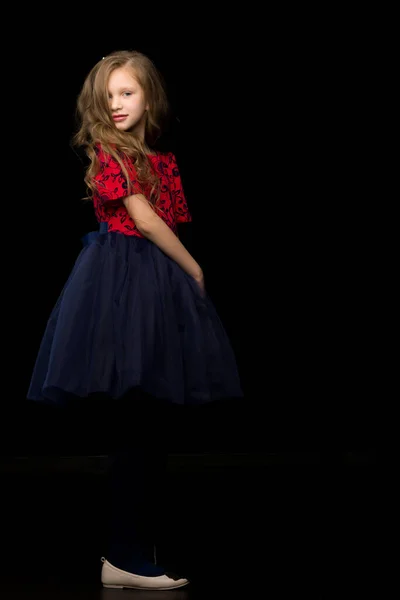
pixel 129 318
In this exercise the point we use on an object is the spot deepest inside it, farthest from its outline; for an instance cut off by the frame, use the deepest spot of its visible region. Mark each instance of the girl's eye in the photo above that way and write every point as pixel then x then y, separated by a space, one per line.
pixel 124 93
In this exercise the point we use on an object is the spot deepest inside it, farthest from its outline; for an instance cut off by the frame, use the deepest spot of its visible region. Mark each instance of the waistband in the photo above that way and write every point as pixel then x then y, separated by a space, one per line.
pixel 91 236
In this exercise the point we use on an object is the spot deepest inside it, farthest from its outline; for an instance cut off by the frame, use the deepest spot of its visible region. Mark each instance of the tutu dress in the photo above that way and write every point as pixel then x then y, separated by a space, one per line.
pixel 128 316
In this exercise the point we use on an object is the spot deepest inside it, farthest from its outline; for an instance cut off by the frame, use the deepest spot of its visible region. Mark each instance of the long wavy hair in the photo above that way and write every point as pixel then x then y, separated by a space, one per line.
pixel 95 123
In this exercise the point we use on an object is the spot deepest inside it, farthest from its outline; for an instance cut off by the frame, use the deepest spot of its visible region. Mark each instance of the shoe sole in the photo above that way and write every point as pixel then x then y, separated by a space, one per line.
pixel 133 587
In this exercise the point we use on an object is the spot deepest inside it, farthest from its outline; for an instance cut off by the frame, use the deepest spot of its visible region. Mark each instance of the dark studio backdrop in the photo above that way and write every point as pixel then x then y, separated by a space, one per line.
pixel 257 132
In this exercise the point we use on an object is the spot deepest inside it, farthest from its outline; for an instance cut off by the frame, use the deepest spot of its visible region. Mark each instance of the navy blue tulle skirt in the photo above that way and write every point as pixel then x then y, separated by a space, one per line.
pixel 130 318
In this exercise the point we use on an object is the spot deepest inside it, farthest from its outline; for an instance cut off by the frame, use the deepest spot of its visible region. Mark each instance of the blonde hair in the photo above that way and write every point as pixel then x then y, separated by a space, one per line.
pixel 95 124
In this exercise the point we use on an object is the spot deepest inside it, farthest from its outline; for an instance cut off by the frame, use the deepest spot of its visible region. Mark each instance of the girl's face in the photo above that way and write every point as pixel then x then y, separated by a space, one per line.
pixel 127 102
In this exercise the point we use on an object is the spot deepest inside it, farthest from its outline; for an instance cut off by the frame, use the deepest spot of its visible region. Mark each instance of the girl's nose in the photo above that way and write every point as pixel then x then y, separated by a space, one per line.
pixel 115 104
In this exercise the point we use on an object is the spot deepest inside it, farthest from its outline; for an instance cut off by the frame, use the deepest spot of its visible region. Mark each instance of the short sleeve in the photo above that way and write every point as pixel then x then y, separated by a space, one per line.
pixel 111 182
pixel 182 213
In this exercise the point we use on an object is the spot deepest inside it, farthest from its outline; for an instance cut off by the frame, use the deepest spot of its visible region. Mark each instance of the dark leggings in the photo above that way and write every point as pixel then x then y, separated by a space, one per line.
pixel 136 471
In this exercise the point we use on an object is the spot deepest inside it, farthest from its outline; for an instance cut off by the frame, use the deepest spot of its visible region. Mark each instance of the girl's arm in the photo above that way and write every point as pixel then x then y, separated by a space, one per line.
pixel 154 229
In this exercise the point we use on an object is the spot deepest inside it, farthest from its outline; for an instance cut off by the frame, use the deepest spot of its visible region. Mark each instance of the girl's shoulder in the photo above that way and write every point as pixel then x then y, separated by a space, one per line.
pixel 102 155
pixel 166 156
pixel 164 159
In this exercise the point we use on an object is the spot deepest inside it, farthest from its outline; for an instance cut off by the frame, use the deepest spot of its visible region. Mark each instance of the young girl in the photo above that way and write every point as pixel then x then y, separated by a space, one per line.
pixel 133 323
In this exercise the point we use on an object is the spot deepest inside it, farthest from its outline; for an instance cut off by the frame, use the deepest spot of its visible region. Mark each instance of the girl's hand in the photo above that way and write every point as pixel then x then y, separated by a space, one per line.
pixel 200 282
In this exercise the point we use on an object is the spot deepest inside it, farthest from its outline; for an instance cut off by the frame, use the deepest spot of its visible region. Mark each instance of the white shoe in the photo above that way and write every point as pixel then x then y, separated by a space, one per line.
pixel 112 577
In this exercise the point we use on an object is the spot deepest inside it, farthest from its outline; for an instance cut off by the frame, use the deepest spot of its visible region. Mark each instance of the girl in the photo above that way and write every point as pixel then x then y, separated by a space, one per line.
pixel 133 323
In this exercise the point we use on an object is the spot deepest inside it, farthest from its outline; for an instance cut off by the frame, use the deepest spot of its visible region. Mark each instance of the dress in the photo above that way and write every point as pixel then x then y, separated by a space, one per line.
pixel 128 316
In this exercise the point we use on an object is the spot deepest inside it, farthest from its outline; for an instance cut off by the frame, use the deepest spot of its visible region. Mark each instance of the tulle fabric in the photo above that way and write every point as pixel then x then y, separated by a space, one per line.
pixel 130 318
